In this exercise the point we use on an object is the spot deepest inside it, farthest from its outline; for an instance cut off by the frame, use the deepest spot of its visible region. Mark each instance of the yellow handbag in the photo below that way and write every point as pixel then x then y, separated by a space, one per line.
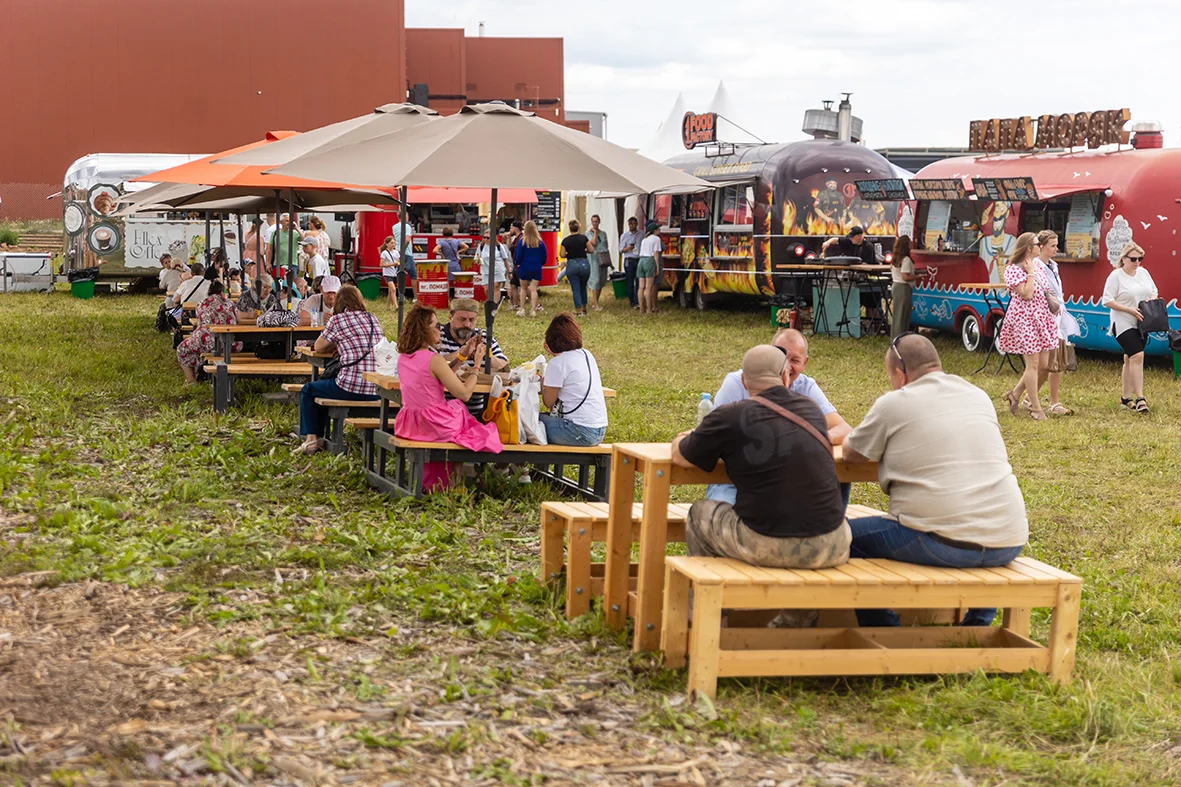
pixel 502 411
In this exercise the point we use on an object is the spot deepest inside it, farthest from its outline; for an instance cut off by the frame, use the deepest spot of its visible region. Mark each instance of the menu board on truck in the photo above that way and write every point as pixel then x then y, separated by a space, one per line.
pixel 938 217
pixel 1079 244
pixel 938 188
pixel 890 189
pixel 547 213
pixel 1005 189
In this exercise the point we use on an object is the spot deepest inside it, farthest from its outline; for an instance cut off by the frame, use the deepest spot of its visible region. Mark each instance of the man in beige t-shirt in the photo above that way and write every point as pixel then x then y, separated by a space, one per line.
pixel 954 501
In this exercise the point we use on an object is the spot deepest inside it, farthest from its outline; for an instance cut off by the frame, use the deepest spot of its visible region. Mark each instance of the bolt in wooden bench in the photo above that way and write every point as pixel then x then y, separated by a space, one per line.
pixel 547 461
pixel 580 525
pixel 721 583
pixel 224 375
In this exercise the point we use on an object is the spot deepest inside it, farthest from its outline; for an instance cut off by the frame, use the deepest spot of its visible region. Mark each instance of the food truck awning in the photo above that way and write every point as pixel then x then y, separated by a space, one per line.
pixel 421 195
pixel 1052 192
pixel 1054 175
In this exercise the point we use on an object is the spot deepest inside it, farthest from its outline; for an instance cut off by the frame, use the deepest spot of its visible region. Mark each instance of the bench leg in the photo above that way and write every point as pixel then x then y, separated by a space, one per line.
pixel 1064 633
pixel 674 634
pixel 619 545
pixel 335 429
pixel 1016 620
pixel 653 546
pixel 553 535
pixel 602 478
pixel 584 479
pixel 221 389
pixel 578 569
pixel 704 640
pixel 367 448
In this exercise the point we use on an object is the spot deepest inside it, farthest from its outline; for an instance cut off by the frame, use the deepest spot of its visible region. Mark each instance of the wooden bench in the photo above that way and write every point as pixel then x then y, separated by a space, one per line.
pixel 567 531
pixel 723 583
pixel 546 461
pixel 339 411
pixel 224 375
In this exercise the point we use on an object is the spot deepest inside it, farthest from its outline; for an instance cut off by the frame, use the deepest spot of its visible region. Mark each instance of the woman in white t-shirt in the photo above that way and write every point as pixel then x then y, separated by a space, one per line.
pixel 389 268
pixel 903 274
pixel 571 388
pixel 648 268
pixel 1126 287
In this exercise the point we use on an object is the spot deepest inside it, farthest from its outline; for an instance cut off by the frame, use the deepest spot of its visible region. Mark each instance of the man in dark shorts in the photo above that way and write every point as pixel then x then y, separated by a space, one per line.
pixel 788 511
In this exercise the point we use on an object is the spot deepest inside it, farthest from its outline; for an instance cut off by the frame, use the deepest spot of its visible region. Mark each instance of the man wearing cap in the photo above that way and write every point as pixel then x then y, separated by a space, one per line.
pixel 775 449
pixel 461 342
pixel 317 265
pixel 851 245
pixel 323 303
pixel 629 248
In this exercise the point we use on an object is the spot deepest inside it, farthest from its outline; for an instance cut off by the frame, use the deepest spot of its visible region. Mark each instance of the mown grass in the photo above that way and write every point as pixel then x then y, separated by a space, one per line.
pixel 126 476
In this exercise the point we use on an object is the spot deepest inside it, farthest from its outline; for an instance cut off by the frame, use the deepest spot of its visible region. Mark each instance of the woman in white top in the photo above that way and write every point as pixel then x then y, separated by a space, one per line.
pixel 572 388
pixel 900 294
pixel 389 268
pixel 484 253
pixel 1126 287
pixel 1067 324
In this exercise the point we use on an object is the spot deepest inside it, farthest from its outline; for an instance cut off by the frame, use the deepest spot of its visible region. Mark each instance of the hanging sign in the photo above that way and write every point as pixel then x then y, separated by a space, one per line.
pixel 699 129
pixel 547 213
pixel 938 188
pixel 1005 189
pixel 890 189
pixel 1080 129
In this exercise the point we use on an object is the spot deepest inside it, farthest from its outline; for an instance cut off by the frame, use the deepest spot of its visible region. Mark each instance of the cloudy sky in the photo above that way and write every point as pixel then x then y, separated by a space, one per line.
pixel 919 70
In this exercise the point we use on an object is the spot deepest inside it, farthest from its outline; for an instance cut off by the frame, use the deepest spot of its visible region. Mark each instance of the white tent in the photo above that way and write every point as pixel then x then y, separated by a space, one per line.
pixel 666 142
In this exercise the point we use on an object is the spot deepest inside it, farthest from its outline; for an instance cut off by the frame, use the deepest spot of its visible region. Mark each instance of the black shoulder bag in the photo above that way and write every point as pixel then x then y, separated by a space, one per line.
pixel 590 381
pixel 1155 314
pixel 334 366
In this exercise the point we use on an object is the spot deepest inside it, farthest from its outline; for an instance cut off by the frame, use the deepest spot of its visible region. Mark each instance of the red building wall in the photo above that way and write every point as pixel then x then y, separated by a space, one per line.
pixel 436 56
pixel 529 69
pixel 173 76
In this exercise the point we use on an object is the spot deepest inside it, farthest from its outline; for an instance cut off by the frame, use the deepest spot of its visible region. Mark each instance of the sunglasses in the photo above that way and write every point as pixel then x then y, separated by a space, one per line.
pixel 898 355
pixel 1136 259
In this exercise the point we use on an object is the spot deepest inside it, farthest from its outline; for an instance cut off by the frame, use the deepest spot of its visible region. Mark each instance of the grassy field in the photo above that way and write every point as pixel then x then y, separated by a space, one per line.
pixel 181 599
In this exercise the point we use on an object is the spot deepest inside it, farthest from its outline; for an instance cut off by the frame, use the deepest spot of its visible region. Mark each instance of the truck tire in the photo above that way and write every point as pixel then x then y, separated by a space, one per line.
pixel 699 299
pixel 972 334
pixel 684 297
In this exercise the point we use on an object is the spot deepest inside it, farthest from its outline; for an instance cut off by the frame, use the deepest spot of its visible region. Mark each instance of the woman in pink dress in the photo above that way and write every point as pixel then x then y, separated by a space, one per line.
pixel 1029 328
pixel 425 414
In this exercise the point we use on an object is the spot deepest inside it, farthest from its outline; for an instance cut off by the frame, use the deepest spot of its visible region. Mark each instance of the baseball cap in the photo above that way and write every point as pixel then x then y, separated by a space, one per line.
pixel 308 241
pixel 330 284
pixel 652 225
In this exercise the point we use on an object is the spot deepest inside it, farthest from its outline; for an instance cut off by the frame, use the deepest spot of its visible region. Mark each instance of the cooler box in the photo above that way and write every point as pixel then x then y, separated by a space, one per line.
pixel 20 272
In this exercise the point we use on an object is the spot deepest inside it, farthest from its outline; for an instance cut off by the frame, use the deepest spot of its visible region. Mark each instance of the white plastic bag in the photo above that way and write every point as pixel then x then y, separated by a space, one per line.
pixel 385 356
pixel 527 390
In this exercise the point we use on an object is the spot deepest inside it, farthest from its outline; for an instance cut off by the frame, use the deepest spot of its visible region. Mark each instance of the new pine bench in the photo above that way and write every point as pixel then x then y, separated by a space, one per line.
pixel 722 583
pixel 568 529
pixel 547 461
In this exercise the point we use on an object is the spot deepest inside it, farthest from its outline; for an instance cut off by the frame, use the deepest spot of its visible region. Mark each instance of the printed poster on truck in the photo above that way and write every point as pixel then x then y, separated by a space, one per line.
pixel 147 239
pixel 1080 227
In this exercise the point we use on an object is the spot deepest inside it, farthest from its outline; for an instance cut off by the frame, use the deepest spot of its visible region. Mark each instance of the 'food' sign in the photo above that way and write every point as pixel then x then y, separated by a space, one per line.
pixel 699 129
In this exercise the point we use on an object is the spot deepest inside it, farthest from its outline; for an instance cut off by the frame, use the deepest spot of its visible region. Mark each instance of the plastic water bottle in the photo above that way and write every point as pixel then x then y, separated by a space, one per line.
pixel 704 407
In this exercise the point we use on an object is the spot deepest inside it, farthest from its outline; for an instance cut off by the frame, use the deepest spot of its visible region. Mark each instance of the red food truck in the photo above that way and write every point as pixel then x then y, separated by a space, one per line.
pixel 970 210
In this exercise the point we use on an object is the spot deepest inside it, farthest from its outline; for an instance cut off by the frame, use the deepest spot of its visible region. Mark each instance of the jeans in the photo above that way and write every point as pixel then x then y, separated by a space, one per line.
pixel 578 272
pixel 560 431
pixel 633 289
pixel 728 493
pixel 313 419
pixel 883 537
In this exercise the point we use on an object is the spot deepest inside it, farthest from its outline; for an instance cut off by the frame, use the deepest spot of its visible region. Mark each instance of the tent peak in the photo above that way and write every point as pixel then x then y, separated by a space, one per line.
pixel 404 108
pixel 494 108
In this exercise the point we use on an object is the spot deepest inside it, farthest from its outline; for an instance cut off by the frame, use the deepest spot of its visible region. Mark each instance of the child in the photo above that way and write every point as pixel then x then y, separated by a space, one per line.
pixel 235 284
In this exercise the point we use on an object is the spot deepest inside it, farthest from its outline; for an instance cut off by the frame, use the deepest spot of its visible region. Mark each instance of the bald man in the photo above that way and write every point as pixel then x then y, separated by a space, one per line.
pixel 776 450
pixel 794 345
pixel 954 501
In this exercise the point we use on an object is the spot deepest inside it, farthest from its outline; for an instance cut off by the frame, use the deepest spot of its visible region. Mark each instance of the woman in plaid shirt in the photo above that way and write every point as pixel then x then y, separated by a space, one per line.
pixel 351 333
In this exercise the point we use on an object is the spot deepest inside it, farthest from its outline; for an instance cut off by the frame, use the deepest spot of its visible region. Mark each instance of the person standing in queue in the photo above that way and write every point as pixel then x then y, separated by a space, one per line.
pixel 1029 328
pixel 629 249
pixel 450 248
pixel 900 294
pixel 1126 287
pixel 575 249
pixel 515 232
pixel 648 267
pixel 600 262
pixel 531 257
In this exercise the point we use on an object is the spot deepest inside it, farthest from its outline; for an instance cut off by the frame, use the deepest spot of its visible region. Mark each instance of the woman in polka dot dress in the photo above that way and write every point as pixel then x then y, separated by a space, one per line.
pixel 1029 328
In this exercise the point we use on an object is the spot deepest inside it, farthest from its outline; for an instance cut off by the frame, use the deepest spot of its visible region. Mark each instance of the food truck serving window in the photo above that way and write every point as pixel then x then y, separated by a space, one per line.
pixel 736 206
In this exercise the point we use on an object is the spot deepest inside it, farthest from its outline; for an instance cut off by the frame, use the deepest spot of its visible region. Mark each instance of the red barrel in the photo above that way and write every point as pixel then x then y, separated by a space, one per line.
pixel 468 283
pixel 433 288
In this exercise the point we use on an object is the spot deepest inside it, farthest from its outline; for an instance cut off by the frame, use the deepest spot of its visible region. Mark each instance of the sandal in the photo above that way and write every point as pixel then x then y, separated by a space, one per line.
pixel 1014 404
pixel 1060 409
pixel 1125 404
pixel 1141 405
pixel 1037 415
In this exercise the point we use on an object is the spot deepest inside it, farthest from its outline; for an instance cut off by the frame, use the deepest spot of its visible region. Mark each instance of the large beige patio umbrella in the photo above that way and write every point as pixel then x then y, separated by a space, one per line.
pixel 489 146
pixel 187 196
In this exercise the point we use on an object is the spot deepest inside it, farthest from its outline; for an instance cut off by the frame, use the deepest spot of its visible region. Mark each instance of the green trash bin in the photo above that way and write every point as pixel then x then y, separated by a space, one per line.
pixel 82 289
pixel 619 285
pixel 1176 364
pixel 370 287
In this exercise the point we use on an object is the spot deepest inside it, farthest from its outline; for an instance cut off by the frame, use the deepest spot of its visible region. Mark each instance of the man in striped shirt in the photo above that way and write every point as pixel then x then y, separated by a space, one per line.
pixel 462 342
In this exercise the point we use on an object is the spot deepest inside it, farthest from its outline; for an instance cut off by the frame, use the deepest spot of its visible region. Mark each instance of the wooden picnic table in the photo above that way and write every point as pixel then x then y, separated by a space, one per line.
pixel 654 462
pixel 318 360
pixel 228 334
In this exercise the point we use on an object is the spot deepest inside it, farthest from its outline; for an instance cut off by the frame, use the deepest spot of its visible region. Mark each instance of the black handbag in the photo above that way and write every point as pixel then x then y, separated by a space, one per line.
pixel 1175 341
pixel 334 366
pixel 1155 316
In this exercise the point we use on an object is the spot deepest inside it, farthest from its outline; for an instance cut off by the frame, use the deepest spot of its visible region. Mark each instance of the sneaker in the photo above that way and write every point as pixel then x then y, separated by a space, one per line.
pixel 520 312
pixel 524 478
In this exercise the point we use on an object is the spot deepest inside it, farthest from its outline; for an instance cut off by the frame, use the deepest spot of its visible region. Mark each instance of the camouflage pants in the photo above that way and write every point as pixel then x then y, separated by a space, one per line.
pixel 714 529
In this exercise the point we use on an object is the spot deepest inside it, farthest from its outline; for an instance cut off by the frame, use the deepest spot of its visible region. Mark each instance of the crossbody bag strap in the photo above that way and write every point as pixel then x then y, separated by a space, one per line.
pixel 795 419
pixel 590 381
pixel 351 364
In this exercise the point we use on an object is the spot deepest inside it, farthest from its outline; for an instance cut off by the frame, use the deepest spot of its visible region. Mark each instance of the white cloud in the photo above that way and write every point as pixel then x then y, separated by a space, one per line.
pixel 919 70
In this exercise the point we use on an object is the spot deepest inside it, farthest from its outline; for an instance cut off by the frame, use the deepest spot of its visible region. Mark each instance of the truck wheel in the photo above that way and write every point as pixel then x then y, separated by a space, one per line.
pixel 972 335
pixel 684 298
pixel 699 300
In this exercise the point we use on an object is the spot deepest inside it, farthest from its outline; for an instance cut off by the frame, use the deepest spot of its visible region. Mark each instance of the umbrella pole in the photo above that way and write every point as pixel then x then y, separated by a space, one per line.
pixel 274 239
pixel 241 246
pixel 489 300
pixel 290 246
pixel 207 240
pixel 400 281
pixel 259 262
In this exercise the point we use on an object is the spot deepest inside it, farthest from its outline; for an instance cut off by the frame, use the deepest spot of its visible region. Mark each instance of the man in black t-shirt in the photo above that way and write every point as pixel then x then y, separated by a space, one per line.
pixel 788 512
pixel 852 245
